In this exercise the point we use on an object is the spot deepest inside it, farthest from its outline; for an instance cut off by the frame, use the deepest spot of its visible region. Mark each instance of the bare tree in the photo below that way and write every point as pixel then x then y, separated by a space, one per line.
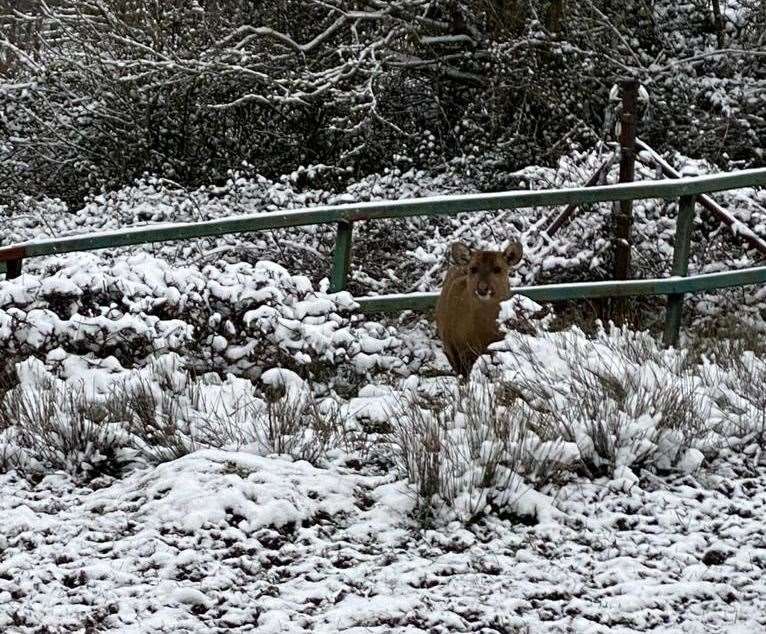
pixel 105 90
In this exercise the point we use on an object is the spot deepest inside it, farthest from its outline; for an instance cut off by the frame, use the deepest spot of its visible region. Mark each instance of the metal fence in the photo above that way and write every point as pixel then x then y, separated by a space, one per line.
pixel 344 216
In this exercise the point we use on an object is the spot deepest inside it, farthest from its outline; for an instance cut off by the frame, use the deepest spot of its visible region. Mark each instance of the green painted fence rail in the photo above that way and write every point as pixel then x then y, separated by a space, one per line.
pixel 583 290
pixel 430 206
pixel 344 217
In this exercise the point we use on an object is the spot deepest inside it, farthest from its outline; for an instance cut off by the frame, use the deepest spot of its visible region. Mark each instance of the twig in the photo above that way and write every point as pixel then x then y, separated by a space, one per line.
pixel 564 216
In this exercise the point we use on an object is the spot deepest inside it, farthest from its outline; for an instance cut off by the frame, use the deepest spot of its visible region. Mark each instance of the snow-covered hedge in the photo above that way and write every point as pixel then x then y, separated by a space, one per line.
pixel 539 410
pixel 239 318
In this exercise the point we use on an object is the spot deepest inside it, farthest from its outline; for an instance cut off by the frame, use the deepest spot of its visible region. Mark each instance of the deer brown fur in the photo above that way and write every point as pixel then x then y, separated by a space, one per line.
pixel 469 303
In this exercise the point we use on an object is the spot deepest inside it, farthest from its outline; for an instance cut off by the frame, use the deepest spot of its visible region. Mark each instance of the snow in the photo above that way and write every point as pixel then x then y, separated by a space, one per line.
pixel 232 312
pixel 239 539
pixel 274 544
pixel 638 510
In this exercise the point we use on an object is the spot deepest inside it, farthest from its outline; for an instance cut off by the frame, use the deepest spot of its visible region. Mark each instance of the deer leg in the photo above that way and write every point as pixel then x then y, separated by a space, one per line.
pixel 452 357
pixel 466 360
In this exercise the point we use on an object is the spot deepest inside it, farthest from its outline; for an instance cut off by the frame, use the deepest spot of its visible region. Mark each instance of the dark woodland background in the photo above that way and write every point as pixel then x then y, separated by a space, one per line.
pixel 95 93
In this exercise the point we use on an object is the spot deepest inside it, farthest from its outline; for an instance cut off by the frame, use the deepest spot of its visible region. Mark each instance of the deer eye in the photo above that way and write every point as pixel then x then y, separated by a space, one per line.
pixel 474 270
pixel 497 269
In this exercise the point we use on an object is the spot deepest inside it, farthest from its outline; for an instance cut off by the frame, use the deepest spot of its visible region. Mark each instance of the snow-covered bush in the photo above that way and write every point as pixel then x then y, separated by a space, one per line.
pixel 623 400
pixel 97 418
pixel 237 318
pixel 286 419
pixel 188 91
pixel 155 415
pixel 45 425
pixel 553 407
pixel 521 314
pixel 464 453
pixel 736 374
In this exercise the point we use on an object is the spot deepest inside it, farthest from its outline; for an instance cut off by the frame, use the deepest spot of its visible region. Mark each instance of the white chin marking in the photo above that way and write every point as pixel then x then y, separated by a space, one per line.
pixel 486 297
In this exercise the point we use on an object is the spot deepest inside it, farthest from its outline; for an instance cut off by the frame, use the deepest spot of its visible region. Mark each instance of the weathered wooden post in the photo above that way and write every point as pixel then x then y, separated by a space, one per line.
pixel 623 217
pixel 341 256
pixel 680 268
pixel 623 220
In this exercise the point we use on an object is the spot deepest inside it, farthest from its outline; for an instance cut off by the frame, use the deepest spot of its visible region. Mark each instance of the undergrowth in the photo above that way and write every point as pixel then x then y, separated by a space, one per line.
pixel 540 410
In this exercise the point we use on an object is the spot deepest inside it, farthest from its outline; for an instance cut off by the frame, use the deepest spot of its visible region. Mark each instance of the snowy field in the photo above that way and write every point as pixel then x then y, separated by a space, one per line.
pixel 229 541
pixel 198 437
pixel 165 468
pixel 660 530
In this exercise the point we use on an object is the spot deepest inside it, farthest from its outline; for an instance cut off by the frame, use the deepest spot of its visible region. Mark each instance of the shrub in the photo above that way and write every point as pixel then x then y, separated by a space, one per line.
pixel 102 92
pixel 234 318
pixel 156 414
pixel 46 425
pixel 464 453
pixel 623 400
pixel 289 419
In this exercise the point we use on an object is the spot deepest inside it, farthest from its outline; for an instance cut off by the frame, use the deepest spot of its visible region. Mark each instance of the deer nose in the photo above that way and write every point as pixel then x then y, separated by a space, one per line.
pixel 482 290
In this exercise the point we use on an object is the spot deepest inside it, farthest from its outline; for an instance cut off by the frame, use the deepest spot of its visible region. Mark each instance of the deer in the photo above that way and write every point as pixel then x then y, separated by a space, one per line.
pixel 469 302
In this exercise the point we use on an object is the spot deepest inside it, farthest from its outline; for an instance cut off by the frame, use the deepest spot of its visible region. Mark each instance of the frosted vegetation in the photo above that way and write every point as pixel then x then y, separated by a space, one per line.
pixel 131 357
pixel 348 496
pixel 95 94
pixel 198 436
pixel 119 362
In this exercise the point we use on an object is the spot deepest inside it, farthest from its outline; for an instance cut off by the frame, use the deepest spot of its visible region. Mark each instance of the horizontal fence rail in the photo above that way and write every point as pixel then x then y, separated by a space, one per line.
pixel 583 290
pixel 343 216
pixel 429 206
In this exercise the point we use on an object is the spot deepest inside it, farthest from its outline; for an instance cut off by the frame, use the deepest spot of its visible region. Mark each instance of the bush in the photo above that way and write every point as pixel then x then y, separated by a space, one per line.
pixel 230 318
pixel 126 419
pixel 549 408
pixel 289 420
pixel 465 453
pixel 735 367
pixel 45 425
pixel 624 401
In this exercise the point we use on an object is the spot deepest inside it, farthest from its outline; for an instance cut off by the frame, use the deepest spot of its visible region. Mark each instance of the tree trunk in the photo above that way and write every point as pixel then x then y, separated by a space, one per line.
pixel 718 23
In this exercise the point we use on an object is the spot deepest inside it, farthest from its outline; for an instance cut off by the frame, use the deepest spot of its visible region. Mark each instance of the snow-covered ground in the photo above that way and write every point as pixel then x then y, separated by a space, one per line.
pixel 228 541
pixel 153 440
pixel 245 540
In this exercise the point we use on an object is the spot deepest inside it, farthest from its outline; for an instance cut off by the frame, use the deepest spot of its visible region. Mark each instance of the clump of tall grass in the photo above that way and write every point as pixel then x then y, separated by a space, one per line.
pixel 47 424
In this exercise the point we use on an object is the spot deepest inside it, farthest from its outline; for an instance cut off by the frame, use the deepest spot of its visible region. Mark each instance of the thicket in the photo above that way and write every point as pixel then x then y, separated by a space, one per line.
pixel 94 93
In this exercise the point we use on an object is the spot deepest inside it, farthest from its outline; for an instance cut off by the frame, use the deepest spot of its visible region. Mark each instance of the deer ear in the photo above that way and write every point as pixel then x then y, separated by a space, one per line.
pixel 513 252
pixel 461 254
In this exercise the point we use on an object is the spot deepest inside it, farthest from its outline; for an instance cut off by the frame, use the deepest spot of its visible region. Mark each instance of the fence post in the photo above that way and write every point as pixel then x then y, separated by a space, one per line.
pixel 623 218
pixel 341 257
pixel 13 269
pixel 680 268
pixel 13 258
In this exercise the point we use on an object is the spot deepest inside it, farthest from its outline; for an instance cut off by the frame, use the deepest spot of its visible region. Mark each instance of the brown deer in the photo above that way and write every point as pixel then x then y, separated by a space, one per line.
pixel 469 303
